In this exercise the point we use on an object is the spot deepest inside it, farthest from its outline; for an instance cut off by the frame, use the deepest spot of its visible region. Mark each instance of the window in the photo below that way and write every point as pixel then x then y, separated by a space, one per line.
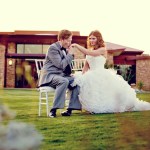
pixel 32 48
pixel 20 48
pixel 45 48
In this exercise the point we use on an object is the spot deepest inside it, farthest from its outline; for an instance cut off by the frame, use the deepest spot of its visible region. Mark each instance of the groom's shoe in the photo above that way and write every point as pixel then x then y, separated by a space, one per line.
pixel 52 113
pixel 67 112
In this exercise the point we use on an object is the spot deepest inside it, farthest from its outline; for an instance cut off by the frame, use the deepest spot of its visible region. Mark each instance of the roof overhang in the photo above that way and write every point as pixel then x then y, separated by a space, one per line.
pixel 115 52
pixel 28 32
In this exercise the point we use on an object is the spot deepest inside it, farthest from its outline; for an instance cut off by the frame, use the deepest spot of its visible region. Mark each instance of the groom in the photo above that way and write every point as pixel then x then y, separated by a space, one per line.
pixel 56 73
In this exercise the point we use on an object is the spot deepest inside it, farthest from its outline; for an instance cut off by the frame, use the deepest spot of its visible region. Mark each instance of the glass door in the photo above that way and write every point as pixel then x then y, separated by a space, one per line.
pixel 26 75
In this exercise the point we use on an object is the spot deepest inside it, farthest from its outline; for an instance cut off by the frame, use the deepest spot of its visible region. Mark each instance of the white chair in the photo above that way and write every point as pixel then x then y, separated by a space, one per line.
pixel 43 91
pixel 77 64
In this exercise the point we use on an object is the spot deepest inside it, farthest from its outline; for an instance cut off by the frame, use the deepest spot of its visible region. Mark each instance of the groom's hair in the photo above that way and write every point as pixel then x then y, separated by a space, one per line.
pixel 64 34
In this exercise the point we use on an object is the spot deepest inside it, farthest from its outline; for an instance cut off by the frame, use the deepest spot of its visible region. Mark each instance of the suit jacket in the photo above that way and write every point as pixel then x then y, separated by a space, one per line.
pixel 55 63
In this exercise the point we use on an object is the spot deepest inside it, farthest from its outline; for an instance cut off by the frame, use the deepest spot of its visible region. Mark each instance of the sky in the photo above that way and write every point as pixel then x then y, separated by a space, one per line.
pixel 124 22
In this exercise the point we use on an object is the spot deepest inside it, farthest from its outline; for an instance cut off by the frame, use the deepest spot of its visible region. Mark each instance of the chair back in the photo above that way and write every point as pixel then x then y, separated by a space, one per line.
pixel 39 64
pixel 77 64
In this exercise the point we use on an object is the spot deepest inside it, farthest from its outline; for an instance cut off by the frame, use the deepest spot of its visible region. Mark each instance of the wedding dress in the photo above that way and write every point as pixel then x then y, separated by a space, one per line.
pixel 103 91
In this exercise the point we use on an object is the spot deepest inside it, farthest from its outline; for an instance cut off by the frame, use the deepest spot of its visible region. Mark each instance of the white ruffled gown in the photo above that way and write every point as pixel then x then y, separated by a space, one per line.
pixel 103 91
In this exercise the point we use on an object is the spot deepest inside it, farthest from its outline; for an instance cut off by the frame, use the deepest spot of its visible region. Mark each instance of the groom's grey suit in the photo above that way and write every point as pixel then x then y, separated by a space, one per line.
pixel 54 74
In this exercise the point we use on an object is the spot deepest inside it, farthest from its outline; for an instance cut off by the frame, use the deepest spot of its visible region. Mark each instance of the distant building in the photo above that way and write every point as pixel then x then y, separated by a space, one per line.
pixel 18 50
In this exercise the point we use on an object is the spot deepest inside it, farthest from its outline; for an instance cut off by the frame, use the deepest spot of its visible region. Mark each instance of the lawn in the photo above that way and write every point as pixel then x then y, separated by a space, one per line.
pixel 81 131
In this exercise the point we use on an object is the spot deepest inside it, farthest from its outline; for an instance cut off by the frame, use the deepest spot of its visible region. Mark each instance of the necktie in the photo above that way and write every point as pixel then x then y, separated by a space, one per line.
pixel 62 48
pixel 64 51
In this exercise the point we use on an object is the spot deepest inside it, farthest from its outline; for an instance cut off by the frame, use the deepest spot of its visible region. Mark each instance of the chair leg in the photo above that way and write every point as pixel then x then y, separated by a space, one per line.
pixel 47 104
pixel 43 100
pixel 40 96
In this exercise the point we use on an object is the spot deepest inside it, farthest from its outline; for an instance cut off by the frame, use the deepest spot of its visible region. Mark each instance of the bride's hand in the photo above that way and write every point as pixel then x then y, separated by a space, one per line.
pixel 71 50
pixel 74 45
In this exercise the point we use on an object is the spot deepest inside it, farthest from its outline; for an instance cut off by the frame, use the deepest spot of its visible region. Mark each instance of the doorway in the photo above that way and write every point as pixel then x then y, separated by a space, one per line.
pixel 26 74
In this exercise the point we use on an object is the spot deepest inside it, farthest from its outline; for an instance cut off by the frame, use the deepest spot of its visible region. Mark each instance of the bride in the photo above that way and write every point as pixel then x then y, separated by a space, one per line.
pixel 101 90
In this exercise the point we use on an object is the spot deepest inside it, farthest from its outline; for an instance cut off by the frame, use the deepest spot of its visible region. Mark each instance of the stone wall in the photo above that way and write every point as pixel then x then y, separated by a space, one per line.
pixel 143 71
pixel 2 65
pixel 10 73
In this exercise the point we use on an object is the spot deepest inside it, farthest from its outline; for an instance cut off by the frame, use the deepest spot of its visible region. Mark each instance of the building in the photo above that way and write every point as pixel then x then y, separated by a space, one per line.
pixel 18 50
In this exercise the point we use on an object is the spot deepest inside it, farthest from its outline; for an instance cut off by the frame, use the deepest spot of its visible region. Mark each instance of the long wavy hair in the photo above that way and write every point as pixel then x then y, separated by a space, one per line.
pixel 100 41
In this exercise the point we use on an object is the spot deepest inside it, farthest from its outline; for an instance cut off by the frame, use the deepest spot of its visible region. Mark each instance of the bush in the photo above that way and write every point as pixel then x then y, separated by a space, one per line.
pixel 140 85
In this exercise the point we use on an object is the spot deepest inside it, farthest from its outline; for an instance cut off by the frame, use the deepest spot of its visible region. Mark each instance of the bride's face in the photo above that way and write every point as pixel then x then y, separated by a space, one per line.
pixel 93 40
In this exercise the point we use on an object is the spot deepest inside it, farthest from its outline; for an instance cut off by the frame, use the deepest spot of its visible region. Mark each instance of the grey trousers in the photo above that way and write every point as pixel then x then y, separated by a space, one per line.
pixel 61 84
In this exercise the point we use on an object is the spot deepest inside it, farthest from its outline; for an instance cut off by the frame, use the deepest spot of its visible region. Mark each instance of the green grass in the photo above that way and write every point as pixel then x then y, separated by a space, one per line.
pixel 81 131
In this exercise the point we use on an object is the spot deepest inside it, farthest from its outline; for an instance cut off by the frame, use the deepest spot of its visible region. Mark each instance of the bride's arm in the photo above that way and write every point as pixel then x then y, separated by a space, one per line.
pixel 99 51
pixel 85 67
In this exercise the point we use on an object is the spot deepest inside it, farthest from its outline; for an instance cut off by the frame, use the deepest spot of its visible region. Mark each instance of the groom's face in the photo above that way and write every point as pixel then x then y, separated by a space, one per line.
pixel 66 42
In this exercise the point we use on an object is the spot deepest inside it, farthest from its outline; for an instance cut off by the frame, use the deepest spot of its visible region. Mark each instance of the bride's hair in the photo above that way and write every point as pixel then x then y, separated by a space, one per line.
pixel 100 41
